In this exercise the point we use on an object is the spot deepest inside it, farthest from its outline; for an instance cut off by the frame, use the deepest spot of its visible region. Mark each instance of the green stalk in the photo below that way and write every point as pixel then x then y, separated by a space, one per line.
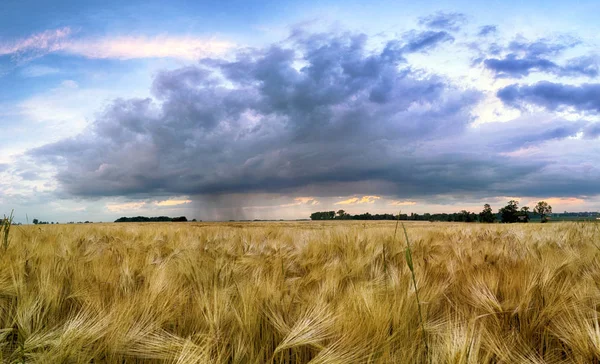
pixel 409 261
pixel 5 229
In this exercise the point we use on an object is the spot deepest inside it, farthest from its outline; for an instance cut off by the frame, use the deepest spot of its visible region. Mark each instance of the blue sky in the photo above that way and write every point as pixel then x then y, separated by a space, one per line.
pixel 243 109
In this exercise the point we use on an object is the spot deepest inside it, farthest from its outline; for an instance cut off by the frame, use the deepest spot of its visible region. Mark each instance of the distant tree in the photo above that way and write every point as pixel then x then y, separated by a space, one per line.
pixel 341 214
pixel 543 209
pixel 179 219
pixel 487 215
pixel 510 212
pixel 36 221
pixel 524 214
pixel 464 216
pixel 323 215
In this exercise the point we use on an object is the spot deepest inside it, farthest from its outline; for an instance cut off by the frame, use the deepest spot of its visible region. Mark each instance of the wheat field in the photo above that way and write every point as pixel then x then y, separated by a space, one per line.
pixel 318 292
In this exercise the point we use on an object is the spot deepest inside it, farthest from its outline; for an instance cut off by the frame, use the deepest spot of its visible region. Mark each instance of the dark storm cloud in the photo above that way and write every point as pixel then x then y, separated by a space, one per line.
pixel 512 66
pixel 521 58
pixel 517 67
pixel 542 47
pixel 553 96
pixel 323 111
pixel 422 41
pixel 487 30
pixel 444 20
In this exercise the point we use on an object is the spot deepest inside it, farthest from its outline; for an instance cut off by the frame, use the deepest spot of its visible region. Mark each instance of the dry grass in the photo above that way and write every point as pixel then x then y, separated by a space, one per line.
pixel 300 292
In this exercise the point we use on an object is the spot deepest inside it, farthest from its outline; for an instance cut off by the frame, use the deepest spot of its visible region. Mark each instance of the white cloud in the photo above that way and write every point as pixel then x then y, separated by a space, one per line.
pixel 64 110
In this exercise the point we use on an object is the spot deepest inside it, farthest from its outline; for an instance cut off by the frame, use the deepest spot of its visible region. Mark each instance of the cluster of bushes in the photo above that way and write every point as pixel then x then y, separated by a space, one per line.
pixel 39 222
pixel 508 214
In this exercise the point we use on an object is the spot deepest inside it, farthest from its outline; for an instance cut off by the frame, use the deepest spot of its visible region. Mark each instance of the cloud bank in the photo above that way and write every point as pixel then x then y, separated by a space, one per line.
pixel 326 115
pixel 520 58
pixel 553 96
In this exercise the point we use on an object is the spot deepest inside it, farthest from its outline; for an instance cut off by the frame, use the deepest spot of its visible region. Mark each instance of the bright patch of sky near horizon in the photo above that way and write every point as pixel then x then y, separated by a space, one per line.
pixel 522 100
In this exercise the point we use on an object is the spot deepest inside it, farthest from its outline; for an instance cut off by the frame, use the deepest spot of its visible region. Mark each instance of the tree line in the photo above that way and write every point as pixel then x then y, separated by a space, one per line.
pixel 39 222
pixel 125 219
pixel 507 214
pixel 152 219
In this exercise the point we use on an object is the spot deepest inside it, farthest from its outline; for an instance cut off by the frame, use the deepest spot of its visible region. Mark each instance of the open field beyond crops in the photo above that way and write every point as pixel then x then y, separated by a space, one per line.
pixel 337 292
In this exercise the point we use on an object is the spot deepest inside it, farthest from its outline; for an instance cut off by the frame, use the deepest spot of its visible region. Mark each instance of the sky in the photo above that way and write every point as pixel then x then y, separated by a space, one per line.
pixel 221 110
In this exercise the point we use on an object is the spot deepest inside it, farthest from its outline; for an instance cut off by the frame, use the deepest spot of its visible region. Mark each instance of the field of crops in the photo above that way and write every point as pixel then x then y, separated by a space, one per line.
pixel 336 292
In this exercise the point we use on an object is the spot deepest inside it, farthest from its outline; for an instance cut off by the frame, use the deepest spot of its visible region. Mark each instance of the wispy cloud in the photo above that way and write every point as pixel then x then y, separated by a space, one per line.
pixel 357 200
pixel 558 203
pixel 402 203
pixel 37 44
pixel 565 201
pixel 117 47
pixel 131 47
pixel 39 71
pixel 172 202
pixel 127 206
pixel 48 40
pixel 298 201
